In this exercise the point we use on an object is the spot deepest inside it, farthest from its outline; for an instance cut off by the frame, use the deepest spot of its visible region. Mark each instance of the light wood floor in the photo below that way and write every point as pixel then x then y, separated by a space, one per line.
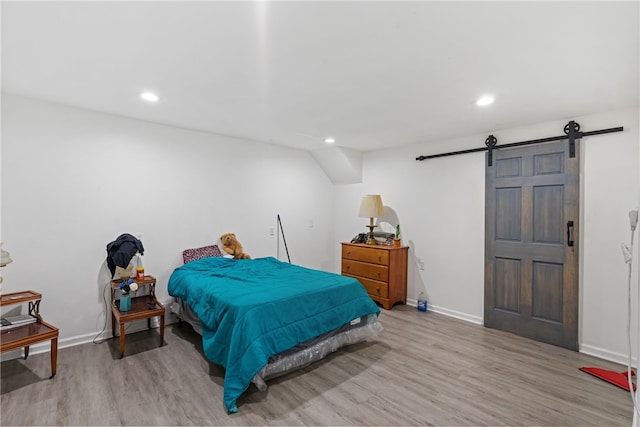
pixel 423 369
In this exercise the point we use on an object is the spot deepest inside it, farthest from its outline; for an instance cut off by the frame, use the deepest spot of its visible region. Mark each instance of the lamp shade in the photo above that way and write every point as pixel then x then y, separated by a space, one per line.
pixel 371 206
pixel 5 257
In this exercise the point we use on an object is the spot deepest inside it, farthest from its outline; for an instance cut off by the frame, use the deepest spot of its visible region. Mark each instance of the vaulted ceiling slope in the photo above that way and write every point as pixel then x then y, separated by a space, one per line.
pixel 372 75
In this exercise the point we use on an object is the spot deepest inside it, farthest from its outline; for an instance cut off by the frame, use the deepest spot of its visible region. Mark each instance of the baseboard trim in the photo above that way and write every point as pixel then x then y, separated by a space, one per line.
pixel 600 353
pixel 98 337
pixel 45 346
pixel 170 318
pixel 451 313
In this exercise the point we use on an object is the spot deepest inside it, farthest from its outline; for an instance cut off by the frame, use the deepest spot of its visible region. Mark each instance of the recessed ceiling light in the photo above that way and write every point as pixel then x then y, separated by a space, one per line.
pixel 329 140
pixel 485 100
pixel 149 96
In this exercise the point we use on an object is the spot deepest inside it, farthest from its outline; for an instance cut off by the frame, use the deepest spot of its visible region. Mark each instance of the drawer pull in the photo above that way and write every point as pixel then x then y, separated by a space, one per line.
pixel 378 290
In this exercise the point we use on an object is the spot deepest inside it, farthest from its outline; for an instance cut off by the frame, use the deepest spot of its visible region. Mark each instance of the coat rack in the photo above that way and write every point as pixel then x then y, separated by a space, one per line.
pixel 571 132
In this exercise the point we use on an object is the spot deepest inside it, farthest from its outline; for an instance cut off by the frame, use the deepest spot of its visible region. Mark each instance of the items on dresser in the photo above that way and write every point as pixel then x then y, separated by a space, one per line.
pixel 382 270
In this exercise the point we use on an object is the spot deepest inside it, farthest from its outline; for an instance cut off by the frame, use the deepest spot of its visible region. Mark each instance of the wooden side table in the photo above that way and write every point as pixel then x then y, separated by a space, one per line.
pixel 25 335
pixel 142 307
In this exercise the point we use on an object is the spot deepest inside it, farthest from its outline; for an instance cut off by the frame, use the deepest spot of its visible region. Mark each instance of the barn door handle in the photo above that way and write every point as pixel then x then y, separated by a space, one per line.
pixel 569 233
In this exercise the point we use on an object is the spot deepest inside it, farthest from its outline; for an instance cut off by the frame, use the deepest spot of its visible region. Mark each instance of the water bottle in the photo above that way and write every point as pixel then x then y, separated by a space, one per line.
pixel 422 302
pixel 125 302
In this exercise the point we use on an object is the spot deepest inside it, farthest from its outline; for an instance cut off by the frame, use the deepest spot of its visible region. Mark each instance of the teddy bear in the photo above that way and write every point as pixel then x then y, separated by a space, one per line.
pixel 231 246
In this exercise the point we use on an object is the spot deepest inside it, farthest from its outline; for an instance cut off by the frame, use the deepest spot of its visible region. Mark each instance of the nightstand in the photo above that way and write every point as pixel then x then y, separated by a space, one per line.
pixel 22 336
pixel 382 270
pixel 142 307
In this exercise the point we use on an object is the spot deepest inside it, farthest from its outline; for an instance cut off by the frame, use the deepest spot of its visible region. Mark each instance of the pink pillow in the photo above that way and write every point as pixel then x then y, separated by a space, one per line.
pixel 189 255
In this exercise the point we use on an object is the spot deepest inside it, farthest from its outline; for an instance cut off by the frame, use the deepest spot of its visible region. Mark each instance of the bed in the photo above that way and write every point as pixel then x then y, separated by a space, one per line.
pixel 261 318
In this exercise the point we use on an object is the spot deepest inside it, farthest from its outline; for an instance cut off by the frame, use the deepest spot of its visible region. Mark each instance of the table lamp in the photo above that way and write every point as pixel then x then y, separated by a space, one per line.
pixel 5 258
pixel 371 207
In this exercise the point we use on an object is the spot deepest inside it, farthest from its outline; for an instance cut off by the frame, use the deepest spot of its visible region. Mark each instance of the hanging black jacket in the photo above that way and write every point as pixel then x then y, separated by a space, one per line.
pixel 121 250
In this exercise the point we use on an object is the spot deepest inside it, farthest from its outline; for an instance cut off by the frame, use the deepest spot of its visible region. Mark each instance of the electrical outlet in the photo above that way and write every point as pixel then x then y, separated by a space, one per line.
pixel 420 264
pixel 310 223
pixel 633 219
pixel 272 231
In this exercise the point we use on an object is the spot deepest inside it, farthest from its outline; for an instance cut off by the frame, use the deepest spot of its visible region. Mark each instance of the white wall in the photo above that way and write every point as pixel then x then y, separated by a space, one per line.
pixel 440 206
pixel 74 180
pixel 610 176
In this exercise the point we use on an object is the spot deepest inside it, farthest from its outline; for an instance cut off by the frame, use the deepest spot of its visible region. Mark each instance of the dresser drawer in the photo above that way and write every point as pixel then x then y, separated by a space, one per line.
pixel 373 287
pixel 361 269
pixel 376 256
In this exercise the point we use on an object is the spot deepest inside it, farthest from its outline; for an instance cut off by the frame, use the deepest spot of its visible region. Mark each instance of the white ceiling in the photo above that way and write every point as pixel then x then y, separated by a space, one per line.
pixel 371 74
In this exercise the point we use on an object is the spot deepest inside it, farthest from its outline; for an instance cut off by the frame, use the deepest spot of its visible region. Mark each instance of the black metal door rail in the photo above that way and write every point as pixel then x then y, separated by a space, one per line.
pixel 571 132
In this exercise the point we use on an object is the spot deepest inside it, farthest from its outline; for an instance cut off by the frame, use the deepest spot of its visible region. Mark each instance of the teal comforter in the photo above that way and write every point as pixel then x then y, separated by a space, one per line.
pixel 253 309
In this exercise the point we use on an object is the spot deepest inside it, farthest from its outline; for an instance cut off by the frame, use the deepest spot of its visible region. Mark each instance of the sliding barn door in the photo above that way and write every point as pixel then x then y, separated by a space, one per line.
pixel 531 247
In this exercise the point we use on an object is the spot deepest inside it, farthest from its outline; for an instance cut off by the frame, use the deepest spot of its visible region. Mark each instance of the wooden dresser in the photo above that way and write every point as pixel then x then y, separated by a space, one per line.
pixel 382 270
